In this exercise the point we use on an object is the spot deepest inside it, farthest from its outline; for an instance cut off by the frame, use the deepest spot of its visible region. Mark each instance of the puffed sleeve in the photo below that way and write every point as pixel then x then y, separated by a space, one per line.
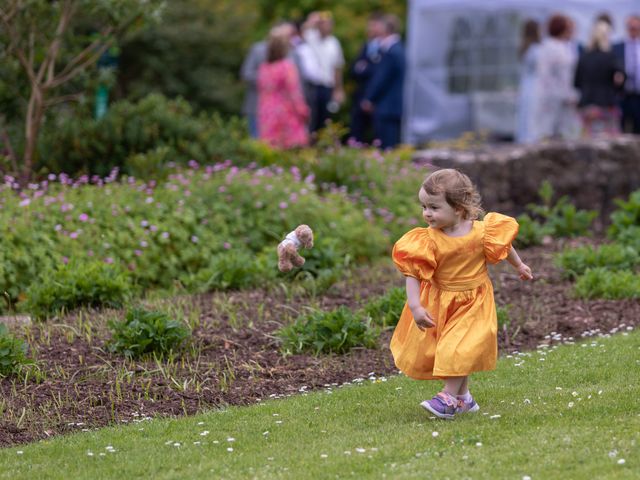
pixel 499 232
pixel 414 254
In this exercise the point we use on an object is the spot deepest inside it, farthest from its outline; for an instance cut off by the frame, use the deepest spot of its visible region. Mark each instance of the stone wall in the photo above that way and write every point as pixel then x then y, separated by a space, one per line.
pixel 591 172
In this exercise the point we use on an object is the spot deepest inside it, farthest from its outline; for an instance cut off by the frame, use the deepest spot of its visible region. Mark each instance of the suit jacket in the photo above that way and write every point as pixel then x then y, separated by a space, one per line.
pixel 385 89
pixel 362 70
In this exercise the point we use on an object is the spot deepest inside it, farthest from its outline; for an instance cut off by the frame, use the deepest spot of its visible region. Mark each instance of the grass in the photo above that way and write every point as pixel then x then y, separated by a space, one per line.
pixel 569 412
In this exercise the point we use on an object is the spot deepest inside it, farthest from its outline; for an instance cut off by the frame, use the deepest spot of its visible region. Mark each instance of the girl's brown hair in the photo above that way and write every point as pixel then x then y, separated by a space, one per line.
pixel 458 191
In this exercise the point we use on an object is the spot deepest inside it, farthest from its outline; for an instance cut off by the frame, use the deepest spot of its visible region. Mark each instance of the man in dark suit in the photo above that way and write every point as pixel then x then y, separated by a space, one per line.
pixel 383 97
pixel 628 53
pixel 362 71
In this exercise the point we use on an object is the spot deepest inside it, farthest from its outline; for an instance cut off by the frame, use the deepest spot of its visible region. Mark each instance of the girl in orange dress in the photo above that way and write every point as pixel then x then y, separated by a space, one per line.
pixel 448 328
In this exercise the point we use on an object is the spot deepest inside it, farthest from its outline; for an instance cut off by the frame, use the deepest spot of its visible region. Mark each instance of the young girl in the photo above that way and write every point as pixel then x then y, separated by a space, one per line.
pixel 448 328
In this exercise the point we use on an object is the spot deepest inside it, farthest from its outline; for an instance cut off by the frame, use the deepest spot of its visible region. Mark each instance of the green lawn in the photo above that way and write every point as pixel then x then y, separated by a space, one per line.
pixel 570 413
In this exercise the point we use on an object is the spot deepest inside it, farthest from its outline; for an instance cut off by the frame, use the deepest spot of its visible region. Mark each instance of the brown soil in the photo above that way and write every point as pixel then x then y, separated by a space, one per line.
pixel 235 358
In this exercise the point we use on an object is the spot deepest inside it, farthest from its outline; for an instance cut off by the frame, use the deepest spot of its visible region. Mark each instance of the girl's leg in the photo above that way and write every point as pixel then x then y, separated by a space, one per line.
pixel 464 387
pixel 453 385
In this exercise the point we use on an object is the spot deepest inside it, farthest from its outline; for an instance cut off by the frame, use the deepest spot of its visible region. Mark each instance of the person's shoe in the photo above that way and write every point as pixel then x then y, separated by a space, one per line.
pixel 467 407
pixel 442 405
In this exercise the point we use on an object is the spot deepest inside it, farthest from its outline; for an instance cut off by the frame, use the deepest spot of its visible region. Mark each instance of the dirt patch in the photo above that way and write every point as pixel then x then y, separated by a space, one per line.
pixel 235 357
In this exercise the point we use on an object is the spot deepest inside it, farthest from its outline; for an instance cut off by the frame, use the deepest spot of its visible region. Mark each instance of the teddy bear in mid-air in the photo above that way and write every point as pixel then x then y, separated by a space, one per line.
pixel 288 256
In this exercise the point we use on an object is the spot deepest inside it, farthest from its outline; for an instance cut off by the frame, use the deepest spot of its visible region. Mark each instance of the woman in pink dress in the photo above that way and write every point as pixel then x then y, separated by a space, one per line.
pixel 282 111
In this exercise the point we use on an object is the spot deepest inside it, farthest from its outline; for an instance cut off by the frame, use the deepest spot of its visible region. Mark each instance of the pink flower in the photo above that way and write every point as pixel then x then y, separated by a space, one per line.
pixel 283 205
pixel 83 217
pixel 73 235
pixel 108 260
pixel 137 252
pixel 65 260
pixel 226 245
pixel 25 202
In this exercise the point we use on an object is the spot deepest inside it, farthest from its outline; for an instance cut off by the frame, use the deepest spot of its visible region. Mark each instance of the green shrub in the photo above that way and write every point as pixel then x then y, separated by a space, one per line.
pixel 147 133
pixel 337 331
pixel 385 311
pixel 145 331
pixel 561 219
pixel 626 217
pixel 233 270
pixel 503 316
pixel 78 284
pixel 608 284
pixel 13 352
pixel 575 261
pixel 530 232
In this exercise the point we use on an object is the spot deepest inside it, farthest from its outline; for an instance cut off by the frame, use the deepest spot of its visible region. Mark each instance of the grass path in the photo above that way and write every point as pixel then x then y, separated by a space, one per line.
pixel 571 413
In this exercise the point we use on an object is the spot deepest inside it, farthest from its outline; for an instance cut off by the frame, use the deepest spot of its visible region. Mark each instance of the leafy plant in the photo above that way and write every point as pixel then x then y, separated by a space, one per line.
pixel 625 221
pixel 13 352
pixel 77 284
pixel 503 316
pixel 385 311
pixel 603 283
pixel 336 331
pixel 561 219
pixel 615 257
pixel 530 232
pixel 146 331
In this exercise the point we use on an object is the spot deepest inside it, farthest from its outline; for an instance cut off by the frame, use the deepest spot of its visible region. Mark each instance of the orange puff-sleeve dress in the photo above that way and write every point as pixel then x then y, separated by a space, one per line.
pixel 456 291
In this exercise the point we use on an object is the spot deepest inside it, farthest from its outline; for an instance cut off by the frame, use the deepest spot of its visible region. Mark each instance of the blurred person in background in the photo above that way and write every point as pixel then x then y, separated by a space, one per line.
pixel 555 99
pixel 528 53
pixel 329 91
pixel 383 97
pixel 360 128
pixel 249 74
pixel 598 76
pixel 282 110
pixel 628 54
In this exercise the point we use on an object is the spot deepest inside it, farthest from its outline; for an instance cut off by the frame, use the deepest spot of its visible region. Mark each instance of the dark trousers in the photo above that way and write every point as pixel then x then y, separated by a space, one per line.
pixel 320 114
pixel 361 123
pixel 387 131
pixel 631 113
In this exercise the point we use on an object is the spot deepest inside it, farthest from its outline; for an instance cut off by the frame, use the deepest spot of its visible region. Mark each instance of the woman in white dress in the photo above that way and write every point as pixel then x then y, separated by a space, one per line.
pixel 555 98
pixel 528 61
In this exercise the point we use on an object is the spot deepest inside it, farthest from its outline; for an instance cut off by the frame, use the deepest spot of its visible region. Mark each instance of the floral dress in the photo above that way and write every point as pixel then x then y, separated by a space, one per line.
pixel 456 291
pixel 282 111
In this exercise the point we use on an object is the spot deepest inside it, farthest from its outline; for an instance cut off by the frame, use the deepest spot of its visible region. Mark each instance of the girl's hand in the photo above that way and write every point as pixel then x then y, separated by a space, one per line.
pixel 422 318
pixel 524 271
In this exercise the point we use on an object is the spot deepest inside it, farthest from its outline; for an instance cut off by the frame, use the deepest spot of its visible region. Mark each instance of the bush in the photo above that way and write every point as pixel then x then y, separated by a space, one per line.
pixel 615 257
pixel 141 138
pixel 530 232
pixel 503 316
pixel 233 270
pixel 337 331
pixel 385 311
pixel 78 284
pixel 603 283
pixel 625 221
pixel 145 331
pixel 561 219
pixel 13 353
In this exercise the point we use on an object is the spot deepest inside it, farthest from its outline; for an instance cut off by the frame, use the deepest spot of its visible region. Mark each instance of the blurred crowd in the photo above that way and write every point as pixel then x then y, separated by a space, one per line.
pixel 568 89
pixel 295 76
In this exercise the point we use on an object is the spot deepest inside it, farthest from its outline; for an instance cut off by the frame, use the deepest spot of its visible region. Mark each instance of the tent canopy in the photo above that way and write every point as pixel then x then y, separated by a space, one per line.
pixel 462 59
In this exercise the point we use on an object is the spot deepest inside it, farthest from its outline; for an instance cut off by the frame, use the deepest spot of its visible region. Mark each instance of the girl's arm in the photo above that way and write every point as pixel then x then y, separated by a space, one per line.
pixel 420 315
pixel 514 259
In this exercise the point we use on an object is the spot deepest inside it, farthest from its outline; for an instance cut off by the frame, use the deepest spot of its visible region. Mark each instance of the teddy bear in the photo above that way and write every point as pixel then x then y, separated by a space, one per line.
pixel 288 256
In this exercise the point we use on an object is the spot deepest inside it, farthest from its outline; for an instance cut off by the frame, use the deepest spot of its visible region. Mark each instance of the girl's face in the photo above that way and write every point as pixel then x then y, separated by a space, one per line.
pixel 437 212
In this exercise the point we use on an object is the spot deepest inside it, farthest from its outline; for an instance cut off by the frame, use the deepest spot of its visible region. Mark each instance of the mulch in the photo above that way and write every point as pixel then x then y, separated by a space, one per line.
pixel 235 358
